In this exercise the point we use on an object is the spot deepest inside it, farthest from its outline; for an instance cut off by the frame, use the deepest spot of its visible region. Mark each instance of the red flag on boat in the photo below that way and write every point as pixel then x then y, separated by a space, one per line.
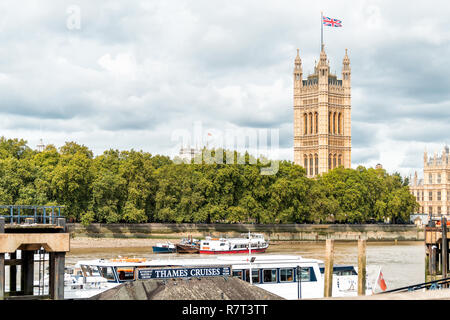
pixel 380 281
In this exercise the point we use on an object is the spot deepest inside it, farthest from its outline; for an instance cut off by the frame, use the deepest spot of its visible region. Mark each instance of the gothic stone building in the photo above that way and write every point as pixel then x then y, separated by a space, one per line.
pixel 322 117
pixel 433 191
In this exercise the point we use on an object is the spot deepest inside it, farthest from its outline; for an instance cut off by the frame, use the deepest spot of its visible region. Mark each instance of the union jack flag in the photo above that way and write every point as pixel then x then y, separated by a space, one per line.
pixel 331 22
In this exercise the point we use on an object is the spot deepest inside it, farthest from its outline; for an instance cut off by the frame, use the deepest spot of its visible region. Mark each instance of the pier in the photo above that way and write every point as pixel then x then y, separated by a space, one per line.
pixel 27 232
pixel 436 250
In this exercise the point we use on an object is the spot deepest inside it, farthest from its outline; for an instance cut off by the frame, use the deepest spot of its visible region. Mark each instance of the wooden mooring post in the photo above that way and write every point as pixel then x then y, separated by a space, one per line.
pixel 328 275
pixel 361 267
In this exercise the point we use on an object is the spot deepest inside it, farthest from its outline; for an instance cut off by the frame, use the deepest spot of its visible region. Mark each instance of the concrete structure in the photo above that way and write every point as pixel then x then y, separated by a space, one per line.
pixel 214 288
pixel 26 240
pixel 433 191
pixel 322 117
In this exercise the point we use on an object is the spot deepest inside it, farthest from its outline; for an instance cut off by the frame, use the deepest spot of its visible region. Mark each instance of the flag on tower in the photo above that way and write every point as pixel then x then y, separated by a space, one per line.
pixel 330 22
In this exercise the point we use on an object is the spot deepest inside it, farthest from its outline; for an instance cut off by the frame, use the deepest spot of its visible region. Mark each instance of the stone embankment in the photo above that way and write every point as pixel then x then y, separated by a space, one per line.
pixel 274 232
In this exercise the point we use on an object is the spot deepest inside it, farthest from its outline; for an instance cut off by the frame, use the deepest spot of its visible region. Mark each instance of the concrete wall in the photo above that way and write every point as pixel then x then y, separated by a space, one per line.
pixel 272 231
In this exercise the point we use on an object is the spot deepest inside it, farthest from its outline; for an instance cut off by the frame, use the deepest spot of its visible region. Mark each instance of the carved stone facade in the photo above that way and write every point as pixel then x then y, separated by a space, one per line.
pixel 433 191
pixel 322 117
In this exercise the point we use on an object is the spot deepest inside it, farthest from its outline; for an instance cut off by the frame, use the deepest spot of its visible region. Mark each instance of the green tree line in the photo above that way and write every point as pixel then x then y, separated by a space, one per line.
pixel 136 187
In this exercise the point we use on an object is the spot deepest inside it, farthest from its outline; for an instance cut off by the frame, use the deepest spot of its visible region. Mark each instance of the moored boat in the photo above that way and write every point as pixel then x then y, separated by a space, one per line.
pixel 288 276
pixel 187 248
pixel 188 245
pixel 247 243
pixel 167 247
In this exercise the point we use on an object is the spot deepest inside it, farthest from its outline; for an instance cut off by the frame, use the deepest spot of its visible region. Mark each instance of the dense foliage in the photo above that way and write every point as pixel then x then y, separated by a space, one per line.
pixel 135 187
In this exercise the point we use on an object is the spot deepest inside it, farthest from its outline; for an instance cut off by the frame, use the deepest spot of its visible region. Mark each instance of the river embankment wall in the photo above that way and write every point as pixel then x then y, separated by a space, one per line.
pixel 274 232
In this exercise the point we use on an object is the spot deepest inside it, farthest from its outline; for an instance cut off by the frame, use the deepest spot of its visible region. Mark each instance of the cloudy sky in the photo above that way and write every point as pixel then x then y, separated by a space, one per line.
pixel 130 74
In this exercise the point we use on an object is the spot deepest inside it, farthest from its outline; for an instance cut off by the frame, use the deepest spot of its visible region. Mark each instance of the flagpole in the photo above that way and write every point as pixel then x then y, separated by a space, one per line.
pixel 321 30
pixel 376 281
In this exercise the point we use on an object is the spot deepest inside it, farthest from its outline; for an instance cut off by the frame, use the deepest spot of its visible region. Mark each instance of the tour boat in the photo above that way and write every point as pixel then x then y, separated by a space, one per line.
pixel 164 248
pixel 248 243
pixel 288 276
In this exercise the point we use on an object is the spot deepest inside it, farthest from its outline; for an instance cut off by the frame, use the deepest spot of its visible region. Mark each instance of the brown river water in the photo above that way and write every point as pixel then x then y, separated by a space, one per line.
pixel 402 263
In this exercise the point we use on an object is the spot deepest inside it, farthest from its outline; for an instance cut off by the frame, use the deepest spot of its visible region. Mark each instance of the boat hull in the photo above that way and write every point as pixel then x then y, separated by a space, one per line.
pixel 246 251
pixel 186 249
pixel 163 250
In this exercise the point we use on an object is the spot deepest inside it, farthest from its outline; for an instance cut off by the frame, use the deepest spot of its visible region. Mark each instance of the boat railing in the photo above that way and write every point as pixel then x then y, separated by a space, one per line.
pixel 430 285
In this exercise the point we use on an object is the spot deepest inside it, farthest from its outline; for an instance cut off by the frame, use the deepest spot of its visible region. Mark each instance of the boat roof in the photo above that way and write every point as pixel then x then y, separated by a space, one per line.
pixel 210 261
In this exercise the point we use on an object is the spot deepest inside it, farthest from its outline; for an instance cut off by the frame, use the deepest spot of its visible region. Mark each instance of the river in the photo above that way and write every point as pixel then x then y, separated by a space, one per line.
pixel 402 263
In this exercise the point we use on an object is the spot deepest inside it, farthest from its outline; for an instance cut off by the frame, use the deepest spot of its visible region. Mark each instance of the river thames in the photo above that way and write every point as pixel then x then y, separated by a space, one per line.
pixel 402 263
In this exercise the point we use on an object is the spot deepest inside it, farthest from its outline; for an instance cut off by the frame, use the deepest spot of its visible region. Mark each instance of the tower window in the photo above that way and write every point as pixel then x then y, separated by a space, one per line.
pixel 316 165
pixel 316 122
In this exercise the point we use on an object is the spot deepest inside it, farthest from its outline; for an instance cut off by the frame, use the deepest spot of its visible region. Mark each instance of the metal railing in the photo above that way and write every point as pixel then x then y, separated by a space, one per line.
pixel 431 285
pixel 40 214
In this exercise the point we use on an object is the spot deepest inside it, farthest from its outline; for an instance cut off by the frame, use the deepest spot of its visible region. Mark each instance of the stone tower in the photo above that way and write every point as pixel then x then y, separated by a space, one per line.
pixel 322 117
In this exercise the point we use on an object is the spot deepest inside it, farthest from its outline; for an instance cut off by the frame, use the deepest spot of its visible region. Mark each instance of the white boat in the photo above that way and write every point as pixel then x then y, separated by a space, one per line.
pixel 166 247
pixel 288 276
pixel 247 243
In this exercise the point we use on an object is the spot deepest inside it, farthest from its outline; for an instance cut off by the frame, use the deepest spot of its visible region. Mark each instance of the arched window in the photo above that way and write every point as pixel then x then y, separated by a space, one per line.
pixel 329 122
pixel 316 116
pixel 316 164
pixel 334 122
pixel 334 161
pixel 329 161
pixel 339 160
pixel 310 123
pixel 305 158
pixel 339 123
pixel 311 165
pixel 305 123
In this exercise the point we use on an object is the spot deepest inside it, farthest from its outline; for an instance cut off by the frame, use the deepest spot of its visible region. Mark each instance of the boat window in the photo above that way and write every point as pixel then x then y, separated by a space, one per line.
pixel 255 276
pixel 222 244
pixel 238 273
pixel 205 243
pixel 107 273
pixel 307 274
pixel 270 275
pixel 286 275
pixel 125 274
pixel 345 273
pixel 90 271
